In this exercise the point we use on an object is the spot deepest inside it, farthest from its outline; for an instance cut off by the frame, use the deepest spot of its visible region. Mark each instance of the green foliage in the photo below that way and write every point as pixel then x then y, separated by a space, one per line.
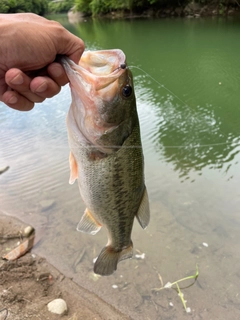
pixel 17 6
pixel 96 7
pixel 4 7
pixel 99 6
pixel 83 6
pixel 60 6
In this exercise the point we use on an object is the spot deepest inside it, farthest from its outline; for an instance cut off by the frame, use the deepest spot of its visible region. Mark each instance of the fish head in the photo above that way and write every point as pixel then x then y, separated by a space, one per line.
pixel 103 108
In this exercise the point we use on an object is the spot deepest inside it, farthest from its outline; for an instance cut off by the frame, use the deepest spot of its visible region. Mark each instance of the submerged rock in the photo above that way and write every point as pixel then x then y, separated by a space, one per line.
pixel 47 204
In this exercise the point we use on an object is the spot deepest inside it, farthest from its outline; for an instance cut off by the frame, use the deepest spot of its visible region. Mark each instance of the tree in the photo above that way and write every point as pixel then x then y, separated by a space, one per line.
pixel 16 6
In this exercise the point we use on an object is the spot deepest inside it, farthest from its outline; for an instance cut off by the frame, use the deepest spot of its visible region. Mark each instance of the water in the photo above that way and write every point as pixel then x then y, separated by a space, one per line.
pixel 191 146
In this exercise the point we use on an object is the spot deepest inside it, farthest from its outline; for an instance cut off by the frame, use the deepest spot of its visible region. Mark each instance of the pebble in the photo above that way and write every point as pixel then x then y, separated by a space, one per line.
pixel 114 286
pixel 28 230
pixel 140 256
pixel 57 306
pixel 47 204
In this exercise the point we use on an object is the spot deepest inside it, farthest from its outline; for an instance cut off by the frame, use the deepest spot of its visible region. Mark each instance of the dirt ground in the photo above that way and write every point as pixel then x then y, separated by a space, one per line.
pixel 29 283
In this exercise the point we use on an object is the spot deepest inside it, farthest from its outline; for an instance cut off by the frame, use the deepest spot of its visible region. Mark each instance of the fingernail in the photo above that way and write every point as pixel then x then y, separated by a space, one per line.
pixel 17 80
pixel 57 71
pixel 13 100
pixel 41 88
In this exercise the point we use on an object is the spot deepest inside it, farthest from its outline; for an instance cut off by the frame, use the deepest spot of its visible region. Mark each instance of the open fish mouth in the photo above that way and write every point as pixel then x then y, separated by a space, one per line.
pixel 102 91
pixel 100 68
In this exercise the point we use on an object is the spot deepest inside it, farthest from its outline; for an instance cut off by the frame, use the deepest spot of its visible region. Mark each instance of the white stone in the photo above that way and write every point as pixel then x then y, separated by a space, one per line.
pixel 140 256
pixel 57 306
pixel 114 286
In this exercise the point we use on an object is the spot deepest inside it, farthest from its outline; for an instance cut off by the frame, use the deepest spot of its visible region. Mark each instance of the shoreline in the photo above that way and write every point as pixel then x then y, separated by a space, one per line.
pixel 30 282
pixel 192 10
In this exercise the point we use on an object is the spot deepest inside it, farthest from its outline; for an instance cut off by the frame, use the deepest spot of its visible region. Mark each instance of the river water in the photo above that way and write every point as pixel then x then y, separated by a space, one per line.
pixel 190 126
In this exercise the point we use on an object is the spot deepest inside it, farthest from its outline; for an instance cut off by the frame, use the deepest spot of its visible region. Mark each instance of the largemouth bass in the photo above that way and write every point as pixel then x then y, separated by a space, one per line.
pixel 106 154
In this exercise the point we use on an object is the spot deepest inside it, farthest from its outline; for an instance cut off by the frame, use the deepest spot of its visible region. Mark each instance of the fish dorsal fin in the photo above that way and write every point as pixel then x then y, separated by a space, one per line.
pixel 88 224
pixel 73 169
pixel 143 214
pixel 108 259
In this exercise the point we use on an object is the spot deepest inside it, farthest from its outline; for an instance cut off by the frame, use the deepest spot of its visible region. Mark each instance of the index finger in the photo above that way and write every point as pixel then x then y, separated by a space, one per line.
pixel 71 46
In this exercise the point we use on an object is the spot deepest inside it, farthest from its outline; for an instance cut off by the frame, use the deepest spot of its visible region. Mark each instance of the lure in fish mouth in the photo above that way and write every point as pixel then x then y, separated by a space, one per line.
pixel 106 153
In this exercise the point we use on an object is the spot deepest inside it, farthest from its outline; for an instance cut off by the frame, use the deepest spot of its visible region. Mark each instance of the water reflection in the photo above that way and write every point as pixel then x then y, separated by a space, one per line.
pixel 201 130
pixel 191 138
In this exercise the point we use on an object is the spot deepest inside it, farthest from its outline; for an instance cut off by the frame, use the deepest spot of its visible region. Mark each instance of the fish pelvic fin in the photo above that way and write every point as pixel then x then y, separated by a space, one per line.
pixel 88 223
pixel 143 214
pixel 108 259
pixel 73 169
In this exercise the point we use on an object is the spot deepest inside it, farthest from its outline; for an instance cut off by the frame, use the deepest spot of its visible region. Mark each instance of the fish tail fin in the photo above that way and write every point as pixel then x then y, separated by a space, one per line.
pixel 108 259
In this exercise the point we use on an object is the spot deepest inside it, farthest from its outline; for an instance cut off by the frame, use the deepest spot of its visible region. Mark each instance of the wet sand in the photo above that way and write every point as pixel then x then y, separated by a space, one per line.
pixel 29 283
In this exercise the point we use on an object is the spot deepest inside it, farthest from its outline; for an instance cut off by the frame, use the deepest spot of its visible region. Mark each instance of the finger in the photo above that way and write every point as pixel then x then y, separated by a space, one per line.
pixel 20 82
pixel 44 87
pixel 57 73
pixel 73 49
pixel 14 100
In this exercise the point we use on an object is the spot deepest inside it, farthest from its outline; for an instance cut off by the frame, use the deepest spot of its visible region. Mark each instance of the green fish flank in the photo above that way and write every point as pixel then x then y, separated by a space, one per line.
pixel 106 153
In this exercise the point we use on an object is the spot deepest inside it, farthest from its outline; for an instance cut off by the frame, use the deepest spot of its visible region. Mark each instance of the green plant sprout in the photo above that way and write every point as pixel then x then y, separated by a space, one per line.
pixel 169 285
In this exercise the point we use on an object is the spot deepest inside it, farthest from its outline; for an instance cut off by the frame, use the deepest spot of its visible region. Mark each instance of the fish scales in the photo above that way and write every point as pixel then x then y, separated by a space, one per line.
pixel 106 154
pixel 108 181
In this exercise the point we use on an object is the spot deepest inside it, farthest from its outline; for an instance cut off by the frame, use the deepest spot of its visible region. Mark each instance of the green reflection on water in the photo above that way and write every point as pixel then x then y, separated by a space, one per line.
pixel 197 123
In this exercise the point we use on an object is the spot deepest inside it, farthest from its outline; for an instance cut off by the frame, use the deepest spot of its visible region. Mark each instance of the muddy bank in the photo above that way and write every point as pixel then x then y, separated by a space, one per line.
pixel 29 283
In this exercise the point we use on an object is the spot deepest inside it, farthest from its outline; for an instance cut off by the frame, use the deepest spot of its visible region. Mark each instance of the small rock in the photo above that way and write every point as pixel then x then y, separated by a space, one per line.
pixel 27 231
pixel 46 204
pixel 114 286
pixel 4 169
pixel 140 256
pixel 57 306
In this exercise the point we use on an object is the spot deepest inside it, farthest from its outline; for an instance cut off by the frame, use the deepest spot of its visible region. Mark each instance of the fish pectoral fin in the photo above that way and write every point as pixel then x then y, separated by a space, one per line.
pixel 88 224
pixel 73 169
pixel 108 259
pixel 143 214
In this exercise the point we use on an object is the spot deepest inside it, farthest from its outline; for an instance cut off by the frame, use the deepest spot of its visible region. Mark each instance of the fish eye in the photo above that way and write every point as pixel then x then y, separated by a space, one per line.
pixel 127 91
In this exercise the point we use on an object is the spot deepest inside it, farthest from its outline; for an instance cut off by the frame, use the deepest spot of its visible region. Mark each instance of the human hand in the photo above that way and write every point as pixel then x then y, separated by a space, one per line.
pixel 29 46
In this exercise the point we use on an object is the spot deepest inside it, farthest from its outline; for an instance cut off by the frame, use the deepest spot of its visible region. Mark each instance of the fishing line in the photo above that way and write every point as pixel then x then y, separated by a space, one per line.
pixel 161 85
pixel 167 147
pixel 184 103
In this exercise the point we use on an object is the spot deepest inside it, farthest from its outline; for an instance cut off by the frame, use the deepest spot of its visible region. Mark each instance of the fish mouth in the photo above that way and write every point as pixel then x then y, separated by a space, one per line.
pixel 100 68
pixel 98 110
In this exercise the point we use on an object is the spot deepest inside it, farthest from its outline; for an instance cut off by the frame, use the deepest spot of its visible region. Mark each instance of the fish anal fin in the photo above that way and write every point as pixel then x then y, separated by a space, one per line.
pixel 143 214
pixel 88 224
pixel 73 168
pixel 108 259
